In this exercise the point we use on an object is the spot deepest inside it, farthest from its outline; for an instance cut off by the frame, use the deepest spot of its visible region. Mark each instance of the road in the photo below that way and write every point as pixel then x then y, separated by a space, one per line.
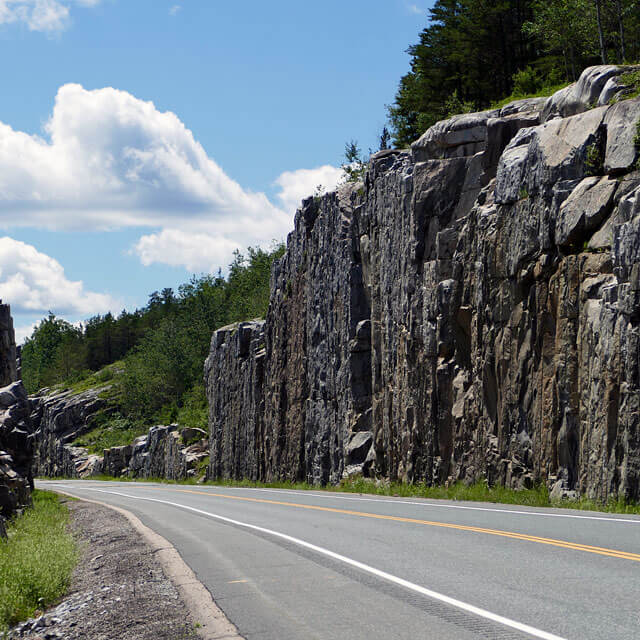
pixel 318 565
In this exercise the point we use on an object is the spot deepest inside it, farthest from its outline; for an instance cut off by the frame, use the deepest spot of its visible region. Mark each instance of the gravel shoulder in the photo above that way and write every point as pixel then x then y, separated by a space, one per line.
pixel 118 590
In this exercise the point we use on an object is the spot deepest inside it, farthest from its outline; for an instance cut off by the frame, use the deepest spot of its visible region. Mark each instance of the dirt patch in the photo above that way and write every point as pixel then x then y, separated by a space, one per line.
pixel 118 591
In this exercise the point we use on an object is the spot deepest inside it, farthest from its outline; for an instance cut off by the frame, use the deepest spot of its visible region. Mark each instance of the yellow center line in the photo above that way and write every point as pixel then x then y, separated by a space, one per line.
pixel 603 551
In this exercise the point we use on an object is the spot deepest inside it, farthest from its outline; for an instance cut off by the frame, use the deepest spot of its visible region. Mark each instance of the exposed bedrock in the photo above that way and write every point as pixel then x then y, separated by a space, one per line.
pixel 60 418
pixel 16 445
pixel 470 311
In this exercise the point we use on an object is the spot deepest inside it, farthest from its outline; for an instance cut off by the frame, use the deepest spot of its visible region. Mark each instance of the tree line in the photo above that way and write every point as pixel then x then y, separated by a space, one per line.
pixel 474 53
pixel 162 346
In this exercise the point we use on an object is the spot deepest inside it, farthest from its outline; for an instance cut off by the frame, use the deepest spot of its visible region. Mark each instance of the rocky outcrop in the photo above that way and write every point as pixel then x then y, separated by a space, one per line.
pixel 59 419
pixel 16 449
pixel 469 311
pixel 165 452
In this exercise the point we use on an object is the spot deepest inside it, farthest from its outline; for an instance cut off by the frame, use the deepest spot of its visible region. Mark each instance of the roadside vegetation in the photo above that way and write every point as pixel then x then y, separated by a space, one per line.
pixel 36 560
pixel 478 492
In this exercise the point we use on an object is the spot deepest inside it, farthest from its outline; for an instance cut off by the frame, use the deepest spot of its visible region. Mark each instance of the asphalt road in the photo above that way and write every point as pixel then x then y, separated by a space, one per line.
pixel 316 565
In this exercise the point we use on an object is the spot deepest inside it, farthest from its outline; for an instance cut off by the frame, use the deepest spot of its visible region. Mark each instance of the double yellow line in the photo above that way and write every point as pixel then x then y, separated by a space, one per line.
pixel 602 551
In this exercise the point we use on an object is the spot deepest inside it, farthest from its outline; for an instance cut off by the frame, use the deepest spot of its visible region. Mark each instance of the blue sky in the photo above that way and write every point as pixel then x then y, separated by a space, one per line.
pixel 141 141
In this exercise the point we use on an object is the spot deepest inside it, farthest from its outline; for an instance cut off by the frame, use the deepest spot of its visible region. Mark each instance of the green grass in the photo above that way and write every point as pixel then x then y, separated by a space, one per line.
pixel 102 378
pixel 545 92
pixel 478 492
pixel 632 80
pixel 36 561
pixel 110 431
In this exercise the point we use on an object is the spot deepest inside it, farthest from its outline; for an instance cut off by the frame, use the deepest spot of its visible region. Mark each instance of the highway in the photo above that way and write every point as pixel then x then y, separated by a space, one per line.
pixel 287 565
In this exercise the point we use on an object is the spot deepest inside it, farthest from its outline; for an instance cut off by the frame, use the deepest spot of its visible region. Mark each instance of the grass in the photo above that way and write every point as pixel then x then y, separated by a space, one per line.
pixel 545 92
pixel 36 560
pixel 632 80
pixel 101 378
pixel 478 492
pixel 110 431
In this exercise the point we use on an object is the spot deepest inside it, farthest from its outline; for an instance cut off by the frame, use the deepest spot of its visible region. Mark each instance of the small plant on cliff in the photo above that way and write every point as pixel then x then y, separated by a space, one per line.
pixel 523 193
pixel 594 161
pixel 354 165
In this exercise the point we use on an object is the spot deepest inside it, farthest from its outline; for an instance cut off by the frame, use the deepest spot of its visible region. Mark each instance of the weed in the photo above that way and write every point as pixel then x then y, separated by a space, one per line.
pixel 537 496
pixel 594 161
pixel 36 560
pixel 523 193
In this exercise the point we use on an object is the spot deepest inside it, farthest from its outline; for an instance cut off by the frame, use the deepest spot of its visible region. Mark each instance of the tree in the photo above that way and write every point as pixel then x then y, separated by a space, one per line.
pixel 354 165
pixel 470 49
pixel 385 138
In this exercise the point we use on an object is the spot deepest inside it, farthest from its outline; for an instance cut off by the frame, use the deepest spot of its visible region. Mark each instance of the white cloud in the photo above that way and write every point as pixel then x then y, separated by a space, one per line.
pixel 48 16
pixel 300 184
pixel 108 160
pixel 174 9
pixel 195 251
pixel 24 331
pixel 34 283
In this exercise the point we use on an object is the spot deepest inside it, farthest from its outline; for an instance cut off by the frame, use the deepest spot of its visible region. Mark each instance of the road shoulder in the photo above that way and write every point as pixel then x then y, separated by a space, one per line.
pixel 130 584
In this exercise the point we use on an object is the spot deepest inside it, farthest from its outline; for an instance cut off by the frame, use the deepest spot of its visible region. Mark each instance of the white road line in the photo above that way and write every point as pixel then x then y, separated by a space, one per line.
pixel 483 613
pixel 332 495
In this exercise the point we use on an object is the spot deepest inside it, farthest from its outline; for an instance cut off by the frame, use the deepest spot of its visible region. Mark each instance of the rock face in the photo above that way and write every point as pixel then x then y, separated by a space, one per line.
pixel 16 447
pixel 59 419
pixel 470 311
pixel 162 453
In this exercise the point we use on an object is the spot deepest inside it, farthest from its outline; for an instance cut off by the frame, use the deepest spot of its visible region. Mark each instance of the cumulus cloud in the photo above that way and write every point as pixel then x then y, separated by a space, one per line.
pixel 34 283
pixel 107 160
pixel 296 185
pixel 48 16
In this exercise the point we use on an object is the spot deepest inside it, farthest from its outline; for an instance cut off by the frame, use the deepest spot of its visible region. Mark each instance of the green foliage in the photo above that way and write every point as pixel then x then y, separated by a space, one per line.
pixel 454 105
pixel 475 53
pixel 631 80
pixel 53 352
pixel 636 137
pixel 111 431
pixel 166 366
pixel 36 561
pixel 523 192
pixel 354 165
pixel 594 161
pixel 467 55
pixel 154 356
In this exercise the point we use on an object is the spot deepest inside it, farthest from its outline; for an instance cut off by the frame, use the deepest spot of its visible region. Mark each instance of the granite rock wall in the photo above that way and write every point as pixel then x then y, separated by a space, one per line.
pixel 470 310
pixel 16 440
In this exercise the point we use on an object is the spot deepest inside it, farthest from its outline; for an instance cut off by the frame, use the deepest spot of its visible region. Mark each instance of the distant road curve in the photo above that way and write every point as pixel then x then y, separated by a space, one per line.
pixel 288 564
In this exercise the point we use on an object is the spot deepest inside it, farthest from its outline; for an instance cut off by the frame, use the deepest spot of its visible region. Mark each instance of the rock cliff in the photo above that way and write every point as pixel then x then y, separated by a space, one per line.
pixel 60 418
pixel 15 427
pixel 471 310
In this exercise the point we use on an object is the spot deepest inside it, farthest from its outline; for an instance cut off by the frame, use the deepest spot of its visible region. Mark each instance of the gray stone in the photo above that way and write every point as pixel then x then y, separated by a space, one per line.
pixel 16 443
pixel 581 95
pixel 459 136
pixel 622 122
pixel 584 210
pixel 435 324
